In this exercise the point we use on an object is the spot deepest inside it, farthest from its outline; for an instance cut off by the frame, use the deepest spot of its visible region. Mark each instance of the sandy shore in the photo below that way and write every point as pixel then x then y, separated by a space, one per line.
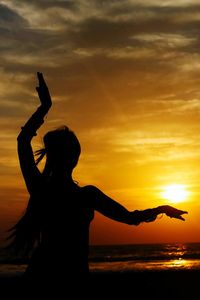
pixel 153 285
pixel 161 285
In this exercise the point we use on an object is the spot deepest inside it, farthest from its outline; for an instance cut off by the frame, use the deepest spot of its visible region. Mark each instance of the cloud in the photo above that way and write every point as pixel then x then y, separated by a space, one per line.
pixel 10 18
pixel 112 67
pixel 124 75
pixel 140 32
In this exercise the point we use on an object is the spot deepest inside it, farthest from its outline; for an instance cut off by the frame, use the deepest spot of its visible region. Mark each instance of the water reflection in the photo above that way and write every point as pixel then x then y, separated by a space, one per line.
pixel 175 250
pixel 177 263
pixel 182 264
pixel 140 266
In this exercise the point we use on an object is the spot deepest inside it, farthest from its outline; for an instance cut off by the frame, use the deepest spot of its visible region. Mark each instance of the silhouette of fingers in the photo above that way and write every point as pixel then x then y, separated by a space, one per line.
pixel 175 213
pixel 182 213
pixel 40 77
pixel 180 217
pixel 177 216
pixel 43 91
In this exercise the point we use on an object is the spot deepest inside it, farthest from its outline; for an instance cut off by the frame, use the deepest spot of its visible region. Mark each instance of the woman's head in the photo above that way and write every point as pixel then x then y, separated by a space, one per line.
pixel 62 149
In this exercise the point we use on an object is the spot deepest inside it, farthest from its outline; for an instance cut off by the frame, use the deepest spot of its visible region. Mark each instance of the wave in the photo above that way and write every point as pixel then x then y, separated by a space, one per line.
pixel 148 252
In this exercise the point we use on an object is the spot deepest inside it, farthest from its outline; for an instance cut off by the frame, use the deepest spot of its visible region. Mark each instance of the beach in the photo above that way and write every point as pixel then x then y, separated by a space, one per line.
pixel 151 284
pixel 158 285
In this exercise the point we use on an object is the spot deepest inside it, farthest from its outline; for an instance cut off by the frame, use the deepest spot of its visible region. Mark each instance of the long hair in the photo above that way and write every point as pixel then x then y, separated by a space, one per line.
pixel 26 233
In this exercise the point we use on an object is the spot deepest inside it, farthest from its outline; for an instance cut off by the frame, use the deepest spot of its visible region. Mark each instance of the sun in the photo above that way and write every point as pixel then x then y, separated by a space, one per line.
pixel 175 193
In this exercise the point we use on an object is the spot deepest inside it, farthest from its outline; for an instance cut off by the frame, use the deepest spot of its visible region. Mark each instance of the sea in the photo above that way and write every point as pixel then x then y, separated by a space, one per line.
pixel 145 257
pixel 124 258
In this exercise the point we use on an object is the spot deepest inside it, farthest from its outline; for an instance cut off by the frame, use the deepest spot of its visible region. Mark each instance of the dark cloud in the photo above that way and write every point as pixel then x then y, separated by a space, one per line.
pixel 111 59
pixel 106 33
pixel 102 36
pixel 67 4
pixel 10 19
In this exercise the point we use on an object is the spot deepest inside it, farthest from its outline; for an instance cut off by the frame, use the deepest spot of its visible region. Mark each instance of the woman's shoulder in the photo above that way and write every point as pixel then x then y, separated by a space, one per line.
pixel 89 188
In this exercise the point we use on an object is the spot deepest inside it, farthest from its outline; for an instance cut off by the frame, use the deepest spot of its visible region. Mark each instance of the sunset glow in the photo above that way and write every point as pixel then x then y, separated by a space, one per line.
pixel 125 77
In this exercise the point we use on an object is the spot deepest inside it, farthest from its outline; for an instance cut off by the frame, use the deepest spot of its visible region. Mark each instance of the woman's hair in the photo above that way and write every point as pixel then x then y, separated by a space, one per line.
pixel 59 144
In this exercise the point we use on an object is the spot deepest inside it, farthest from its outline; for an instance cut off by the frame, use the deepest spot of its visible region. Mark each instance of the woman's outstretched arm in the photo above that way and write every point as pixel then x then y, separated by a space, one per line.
pixel 31 174
pixel 113 210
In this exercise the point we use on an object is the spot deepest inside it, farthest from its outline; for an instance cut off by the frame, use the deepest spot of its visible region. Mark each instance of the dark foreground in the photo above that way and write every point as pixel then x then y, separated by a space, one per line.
pixel 155 285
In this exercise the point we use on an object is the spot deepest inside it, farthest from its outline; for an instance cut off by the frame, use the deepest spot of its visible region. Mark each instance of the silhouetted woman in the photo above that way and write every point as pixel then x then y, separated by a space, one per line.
pixel 55 226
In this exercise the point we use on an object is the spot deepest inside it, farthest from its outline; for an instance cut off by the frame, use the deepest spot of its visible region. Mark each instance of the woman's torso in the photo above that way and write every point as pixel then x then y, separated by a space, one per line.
pixel 65 219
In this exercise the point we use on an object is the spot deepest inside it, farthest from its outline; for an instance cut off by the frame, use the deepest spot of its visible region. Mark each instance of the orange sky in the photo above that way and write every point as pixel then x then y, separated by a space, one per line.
pixel 125 76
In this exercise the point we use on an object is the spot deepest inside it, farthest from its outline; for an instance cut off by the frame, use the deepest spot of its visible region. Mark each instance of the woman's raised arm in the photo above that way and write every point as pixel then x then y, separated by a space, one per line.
pixel 31 174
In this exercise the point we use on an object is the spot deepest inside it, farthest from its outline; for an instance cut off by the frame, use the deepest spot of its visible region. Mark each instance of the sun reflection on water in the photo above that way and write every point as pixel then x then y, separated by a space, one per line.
pixel 173 265
pixel 178 263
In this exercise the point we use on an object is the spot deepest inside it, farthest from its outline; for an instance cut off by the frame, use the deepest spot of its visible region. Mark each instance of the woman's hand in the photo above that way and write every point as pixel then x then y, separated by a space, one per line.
pixel 43 92
pixel 172 212
pixel 150 215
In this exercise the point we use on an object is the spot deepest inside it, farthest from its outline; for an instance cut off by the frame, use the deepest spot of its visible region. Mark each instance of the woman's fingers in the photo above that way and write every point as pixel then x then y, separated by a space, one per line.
pixel 175 213
pixel 43 91
pixel 40 78
pixel 177 216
